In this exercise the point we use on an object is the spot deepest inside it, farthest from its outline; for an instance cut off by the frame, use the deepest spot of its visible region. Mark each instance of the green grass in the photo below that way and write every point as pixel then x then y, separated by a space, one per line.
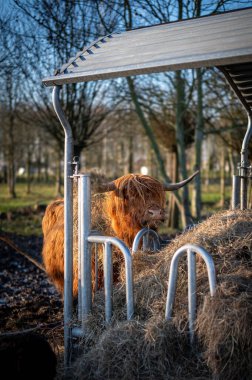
pixel 40 194
pixel 211 198
pixel 24 224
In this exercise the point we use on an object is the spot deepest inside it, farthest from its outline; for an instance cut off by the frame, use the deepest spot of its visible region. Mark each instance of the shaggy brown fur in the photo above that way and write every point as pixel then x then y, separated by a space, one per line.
pixel 127 207
pixel 126 211
pixel 53 246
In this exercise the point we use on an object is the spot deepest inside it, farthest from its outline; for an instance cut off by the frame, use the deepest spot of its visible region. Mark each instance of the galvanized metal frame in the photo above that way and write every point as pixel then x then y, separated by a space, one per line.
pixel 190 249
pixel 240 182
pixel 144 235
pixel 68 223
pixel 84 240
pixel 245 165
pixel 113 241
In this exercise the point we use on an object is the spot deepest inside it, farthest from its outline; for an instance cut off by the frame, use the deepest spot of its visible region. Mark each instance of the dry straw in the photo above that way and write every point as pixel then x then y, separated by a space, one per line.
pixel 150 347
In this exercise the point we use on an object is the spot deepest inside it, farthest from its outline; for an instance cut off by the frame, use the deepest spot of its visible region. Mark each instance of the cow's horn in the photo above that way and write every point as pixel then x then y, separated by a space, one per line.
pixel 176 186
pixel 105 187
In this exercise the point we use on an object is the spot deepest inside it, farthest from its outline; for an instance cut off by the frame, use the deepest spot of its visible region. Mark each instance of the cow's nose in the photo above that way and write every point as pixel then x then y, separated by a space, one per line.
pixel 156 213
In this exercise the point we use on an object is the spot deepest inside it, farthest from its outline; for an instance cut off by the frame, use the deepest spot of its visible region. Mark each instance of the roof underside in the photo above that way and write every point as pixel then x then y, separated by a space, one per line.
pixel 239 76
pixel 223 40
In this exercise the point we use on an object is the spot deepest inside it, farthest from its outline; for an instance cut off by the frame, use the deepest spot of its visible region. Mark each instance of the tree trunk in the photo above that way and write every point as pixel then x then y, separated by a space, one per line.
pixel 58 176
pixel 131 156
pixel 28 172
pixel 198 147
pixel 11 142
pixel 147 129
pixel 11 176
pixel 151 138
pixel 39 163
pixel 180 139
pixel 222 178
pixel 46 167
pixel 173 211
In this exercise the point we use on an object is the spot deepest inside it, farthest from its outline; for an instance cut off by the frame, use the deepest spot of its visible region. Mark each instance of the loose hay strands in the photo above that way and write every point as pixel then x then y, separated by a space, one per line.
pixel 151 348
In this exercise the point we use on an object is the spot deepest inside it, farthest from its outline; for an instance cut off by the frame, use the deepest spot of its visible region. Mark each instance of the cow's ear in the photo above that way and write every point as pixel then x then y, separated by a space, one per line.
pixel 105 187
pixel 176 186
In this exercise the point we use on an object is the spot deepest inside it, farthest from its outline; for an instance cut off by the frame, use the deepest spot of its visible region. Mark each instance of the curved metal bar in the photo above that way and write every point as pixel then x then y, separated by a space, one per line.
pixel 68 222
pixel 141 234
pixel 108 281
pixel 190 249
pixel 245 164
pixel 191 262
pixel 128 267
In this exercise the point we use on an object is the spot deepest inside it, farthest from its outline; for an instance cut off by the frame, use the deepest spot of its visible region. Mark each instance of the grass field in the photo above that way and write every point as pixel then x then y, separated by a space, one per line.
pixel 18 222
pixel 42 194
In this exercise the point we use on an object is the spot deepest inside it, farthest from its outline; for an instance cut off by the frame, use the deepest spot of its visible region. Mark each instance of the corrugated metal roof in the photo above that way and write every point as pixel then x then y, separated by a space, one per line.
pixel 216 40
pixel 239 77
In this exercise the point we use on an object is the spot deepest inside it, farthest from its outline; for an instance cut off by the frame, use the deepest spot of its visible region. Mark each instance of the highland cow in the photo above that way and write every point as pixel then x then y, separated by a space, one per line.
pixel 132 202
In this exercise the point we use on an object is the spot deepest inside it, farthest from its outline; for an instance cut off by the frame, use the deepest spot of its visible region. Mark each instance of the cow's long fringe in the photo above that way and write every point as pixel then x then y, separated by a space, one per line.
pixel 142 190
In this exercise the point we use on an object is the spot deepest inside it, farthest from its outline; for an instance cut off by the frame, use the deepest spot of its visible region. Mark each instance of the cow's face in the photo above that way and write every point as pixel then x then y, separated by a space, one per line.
pixel 138 201
pixel 153 215
pixel 135 201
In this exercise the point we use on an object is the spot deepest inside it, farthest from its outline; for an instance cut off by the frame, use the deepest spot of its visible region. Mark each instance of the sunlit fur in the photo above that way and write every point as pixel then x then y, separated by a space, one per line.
pixel 53 246
pixel 124 209
pixel 126 206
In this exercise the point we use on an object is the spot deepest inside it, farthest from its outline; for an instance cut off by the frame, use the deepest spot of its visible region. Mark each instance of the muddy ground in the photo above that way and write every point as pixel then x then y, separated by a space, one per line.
pixel 28 301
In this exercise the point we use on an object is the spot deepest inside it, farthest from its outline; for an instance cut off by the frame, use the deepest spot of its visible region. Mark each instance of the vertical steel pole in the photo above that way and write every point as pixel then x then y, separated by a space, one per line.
pixel 236 191
pixel 172 284
pixel 68 224
pixel 79 251
pixel 146 242
pixel 191 262
pixel 245 164
pixel 96 267
pixel 108 281
pixel 191 250
pixel 85 220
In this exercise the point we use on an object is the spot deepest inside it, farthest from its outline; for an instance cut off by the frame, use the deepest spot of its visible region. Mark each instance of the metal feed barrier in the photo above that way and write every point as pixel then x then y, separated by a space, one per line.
pixel 151 241
pixel 190 249
pixel 85 239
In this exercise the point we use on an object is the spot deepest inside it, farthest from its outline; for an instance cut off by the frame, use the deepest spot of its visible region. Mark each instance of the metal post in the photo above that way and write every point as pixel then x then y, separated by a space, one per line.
pixel 128 267
pixel 245 164
pixel 85 261
pixel 146 242
pixel 236 192
pixel 68 224
pixel 141 234
pixel 191 262
pixel 190 248
pixel 108 281
pixel 79 253
pixel 96 267
pixel 108 277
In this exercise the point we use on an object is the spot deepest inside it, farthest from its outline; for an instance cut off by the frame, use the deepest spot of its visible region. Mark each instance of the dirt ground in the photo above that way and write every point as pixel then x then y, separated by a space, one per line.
pixel 27 299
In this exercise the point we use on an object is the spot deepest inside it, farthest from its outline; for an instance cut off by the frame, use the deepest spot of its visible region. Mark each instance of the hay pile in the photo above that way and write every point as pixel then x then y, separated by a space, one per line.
pixel 151 348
